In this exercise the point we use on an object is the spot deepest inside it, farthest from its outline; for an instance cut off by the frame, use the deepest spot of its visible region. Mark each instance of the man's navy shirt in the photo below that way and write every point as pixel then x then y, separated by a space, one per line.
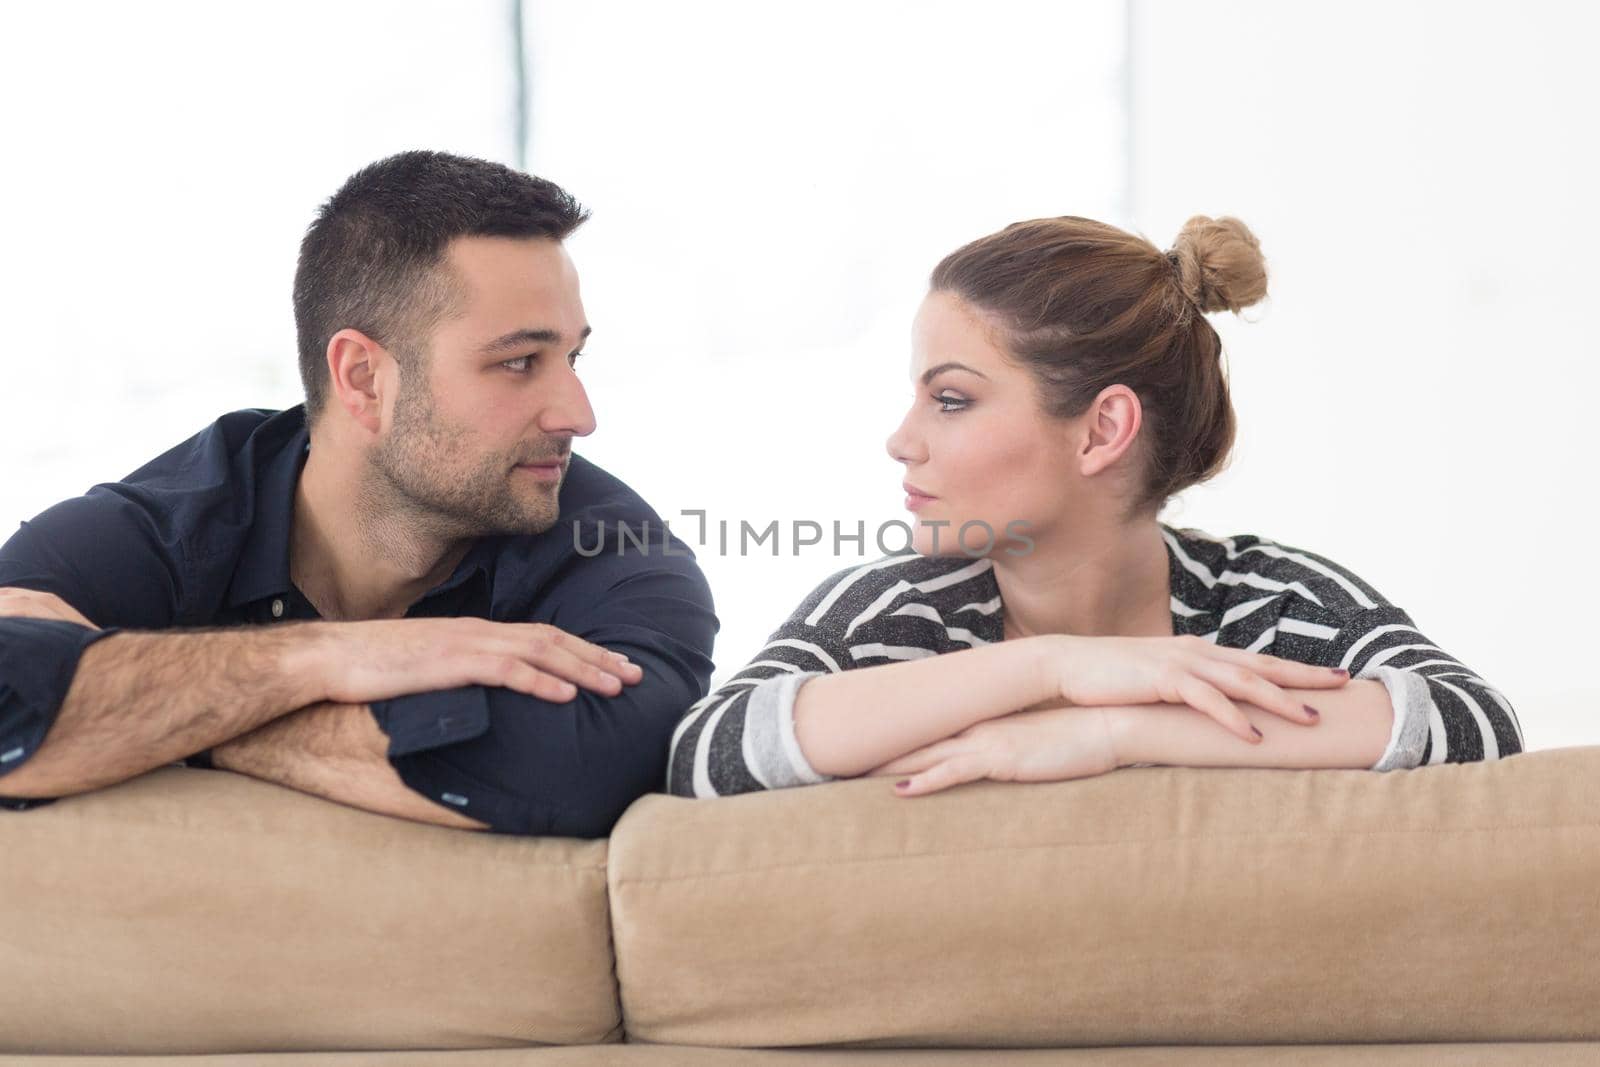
pixel 200 537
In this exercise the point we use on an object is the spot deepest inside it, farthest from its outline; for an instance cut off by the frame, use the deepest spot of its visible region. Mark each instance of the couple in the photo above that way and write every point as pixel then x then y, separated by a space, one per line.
pixel 378 598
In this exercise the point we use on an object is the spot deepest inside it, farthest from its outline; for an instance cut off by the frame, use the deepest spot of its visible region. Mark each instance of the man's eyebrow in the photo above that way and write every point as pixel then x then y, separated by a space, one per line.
pixel 928 375
pixel 522 338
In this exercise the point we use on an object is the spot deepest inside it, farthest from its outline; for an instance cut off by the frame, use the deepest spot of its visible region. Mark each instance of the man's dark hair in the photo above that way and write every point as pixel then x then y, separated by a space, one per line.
pixel 372 259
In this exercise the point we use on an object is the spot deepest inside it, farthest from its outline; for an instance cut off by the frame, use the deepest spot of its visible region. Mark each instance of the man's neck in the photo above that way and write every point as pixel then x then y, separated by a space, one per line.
pixel 356 556
pixel 1112 579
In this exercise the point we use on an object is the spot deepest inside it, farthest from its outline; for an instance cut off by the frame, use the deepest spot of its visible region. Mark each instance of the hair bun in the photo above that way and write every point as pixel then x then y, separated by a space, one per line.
pixel 1219 262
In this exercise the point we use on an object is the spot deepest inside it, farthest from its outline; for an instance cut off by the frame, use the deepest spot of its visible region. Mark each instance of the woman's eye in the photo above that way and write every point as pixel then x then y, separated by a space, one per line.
pixel 950 403
pixel 518 364
pixel 572 360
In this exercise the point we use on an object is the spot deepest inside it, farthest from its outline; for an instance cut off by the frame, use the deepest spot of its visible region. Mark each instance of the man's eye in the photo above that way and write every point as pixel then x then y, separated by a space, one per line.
pixel 947 402
pixel 519 364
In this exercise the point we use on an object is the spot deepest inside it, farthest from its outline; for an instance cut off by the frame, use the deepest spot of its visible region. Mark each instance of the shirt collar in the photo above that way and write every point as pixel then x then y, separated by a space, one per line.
pixel 263 567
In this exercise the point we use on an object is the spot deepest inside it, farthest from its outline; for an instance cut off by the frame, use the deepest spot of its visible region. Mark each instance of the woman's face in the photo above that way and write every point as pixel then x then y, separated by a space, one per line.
pixel 978 449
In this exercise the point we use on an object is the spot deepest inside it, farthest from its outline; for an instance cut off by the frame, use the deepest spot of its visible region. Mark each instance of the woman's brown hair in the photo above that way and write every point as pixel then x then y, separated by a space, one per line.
pixel 1084 305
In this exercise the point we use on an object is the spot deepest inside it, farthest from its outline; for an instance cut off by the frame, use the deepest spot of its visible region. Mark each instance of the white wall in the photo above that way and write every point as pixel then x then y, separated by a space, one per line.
pixel 1418 399
pixel 161 163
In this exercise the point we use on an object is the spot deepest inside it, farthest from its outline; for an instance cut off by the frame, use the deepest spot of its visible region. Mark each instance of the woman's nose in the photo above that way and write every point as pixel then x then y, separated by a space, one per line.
pixel 901 444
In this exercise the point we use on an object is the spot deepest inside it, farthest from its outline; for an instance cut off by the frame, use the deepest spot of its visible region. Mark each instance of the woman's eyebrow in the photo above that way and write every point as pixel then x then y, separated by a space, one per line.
pixel 927 375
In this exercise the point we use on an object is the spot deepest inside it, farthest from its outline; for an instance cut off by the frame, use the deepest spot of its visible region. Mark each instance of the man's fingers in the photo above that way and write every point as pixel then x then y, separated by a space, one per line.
pixel 556 657
pixel 613 663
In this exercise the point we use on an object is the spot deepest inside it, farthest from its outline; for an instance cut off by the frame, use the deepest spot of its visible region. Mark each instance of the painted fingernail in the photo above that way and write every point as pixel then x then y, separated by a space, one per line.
pixel 1340 670
pixel 1258 732
pixel 902 784
pixel 1311 711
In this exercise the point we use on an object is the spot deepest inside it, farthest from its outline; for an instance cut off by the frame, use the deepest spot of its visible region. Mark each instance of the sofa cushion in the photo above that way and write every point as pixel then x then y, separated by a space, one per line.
pixel 1152 905
pixel 202 911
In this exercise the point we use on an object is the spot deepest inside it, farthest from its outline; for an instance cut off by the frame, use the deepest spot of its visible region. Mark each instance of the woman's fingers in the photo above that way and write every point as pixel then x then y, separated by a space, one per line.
pixel 951 772
pixel 920 760
pixel 1241 683
pixel 1285 672
pixel 1206 698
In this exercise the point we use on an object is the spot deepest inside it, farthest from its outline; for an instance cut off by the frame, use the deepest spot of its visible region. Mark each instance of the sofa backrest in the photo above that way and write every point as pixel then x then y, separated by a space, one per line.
pixel 202 911
pixel 1156 905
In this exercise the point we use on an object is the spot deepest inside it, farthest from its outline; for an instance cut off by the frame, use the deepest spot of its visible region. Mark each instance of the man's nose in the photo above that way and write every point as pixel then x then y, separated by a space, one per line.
pixel 567 409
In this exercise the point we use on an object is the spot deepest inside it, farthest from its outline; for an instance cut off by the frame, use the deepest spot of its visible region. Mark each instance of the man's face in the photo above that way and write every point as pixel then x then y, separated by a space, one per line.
pixel 480 434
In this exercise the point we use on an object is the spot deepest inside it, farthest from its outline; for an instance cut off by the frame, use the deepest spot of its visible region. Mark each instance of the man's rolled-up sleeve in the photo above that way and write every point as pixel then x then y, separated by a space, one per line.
pixel 38 658
pixel 529 766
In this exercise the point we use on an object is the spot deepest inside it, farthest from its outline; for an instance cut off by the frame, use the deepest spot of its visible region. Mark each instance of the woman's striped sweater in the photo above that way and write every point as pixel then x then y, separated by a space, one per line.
pixel 1241 592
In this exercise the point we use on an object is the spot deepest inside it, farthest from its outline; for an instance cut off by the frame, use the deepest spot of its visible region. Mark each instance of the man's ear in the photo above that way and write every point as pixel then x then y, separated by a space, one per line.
pixel 1110 427
pixel 359 369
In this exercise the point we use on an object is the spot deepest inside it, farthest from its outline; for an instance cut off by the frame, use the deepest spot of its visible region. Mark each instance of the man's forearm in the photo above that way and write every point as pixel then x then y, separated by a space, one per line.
pixel 140 700
pixel 334 751
pixel 1353 733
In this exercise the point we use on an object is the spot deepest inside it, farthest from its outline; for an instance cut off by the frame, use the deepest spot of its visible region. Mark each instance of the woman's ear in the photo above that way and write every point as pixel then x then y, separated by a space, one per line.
pixel 357 366
pixel 1109 428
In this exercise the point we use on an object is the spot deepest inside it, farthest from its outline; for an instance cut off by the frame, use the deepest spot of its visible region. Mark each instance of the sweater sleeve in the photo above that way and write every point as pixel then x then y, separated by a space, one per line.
pixel 740 738
pixel 1443 711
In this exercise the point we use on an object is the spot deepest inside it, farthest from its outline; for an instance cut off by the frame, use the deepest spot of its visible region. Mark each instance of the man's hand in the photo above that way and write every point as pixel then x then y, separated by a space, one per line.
pixel 366 661
pixel 31 604
pixel 338 753
pixel 1052 744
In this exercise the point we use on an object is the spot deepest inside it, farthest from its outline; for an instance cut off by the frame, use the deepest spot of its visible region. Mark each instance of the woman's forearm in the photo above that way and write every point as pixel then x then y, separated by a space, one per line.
pixel 1353 732
pixel 915 703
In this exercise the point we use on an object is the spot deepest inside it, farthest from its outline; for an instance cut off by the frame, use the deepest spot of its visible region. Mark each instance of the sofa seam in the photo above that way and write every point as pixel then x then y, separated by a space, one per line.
pixel 622 880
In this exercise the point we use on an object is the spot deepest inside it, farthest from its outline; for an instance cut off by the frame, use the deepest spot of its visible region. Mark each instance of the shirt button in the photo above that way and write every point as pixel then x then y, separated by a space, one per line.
pixel 277 608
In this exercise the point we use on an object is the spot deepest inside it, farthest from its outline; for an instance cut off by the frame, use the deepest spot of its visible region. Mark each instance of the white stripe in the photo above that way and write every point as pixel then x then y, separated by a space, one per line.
pixel 787 668
pixel 1308 629
pixel 1491 747
pixel 702 751
pixel 859 652
pixel 955 633
pixel 850 579
pixel 1264 640
pixel 1188 564
pixel 1268 548
pixel 1239 611
pixel 806 646
pixel 1510 715
pixel 1180 608
pixel 791 744
pixel 988 607
pixel 931 585
pixel 1435 735
pixel 1371 636
pixel 1390 653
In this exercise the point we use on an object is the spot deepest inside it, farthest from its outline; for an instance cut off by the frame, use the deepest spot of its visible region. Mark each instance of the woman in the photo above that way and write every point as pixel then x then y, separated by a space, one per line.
pixel 1045 625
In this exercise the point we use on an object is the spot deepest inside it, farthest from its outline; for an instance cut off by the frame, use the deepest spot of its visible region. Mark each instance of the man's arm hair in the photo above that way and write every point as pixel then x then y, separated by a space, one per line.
pixel 337 752
pixel 140 700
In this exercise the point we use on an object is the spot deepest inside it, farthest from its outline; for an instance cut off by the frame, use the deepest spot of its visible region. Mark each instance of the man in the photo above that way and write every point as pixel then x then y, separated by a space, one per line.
pixel 378 597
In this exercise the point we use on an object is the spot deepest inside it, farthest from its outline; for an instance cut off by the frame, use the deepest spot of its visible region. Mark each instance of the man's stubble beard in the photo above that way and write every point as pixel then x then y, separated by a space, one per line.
pixel 419 468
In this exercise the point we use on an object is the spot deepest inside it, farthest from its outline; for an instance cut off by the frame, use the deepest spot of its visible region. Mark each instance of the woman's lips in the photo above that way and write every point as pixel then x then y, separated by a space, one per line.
pixel 916 499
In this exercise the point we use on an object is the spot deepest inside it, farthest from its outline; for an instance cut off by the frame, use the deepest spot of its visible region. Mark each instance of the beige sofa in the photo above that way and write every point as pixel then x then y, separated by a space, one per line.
pixel 1446 915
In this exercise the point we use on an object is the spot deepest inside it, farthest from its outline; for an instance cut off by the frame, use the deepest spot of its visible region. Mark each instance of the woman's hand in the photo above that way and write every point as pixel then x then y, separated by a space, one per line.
pixel 1048 745
pixel 1183 670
